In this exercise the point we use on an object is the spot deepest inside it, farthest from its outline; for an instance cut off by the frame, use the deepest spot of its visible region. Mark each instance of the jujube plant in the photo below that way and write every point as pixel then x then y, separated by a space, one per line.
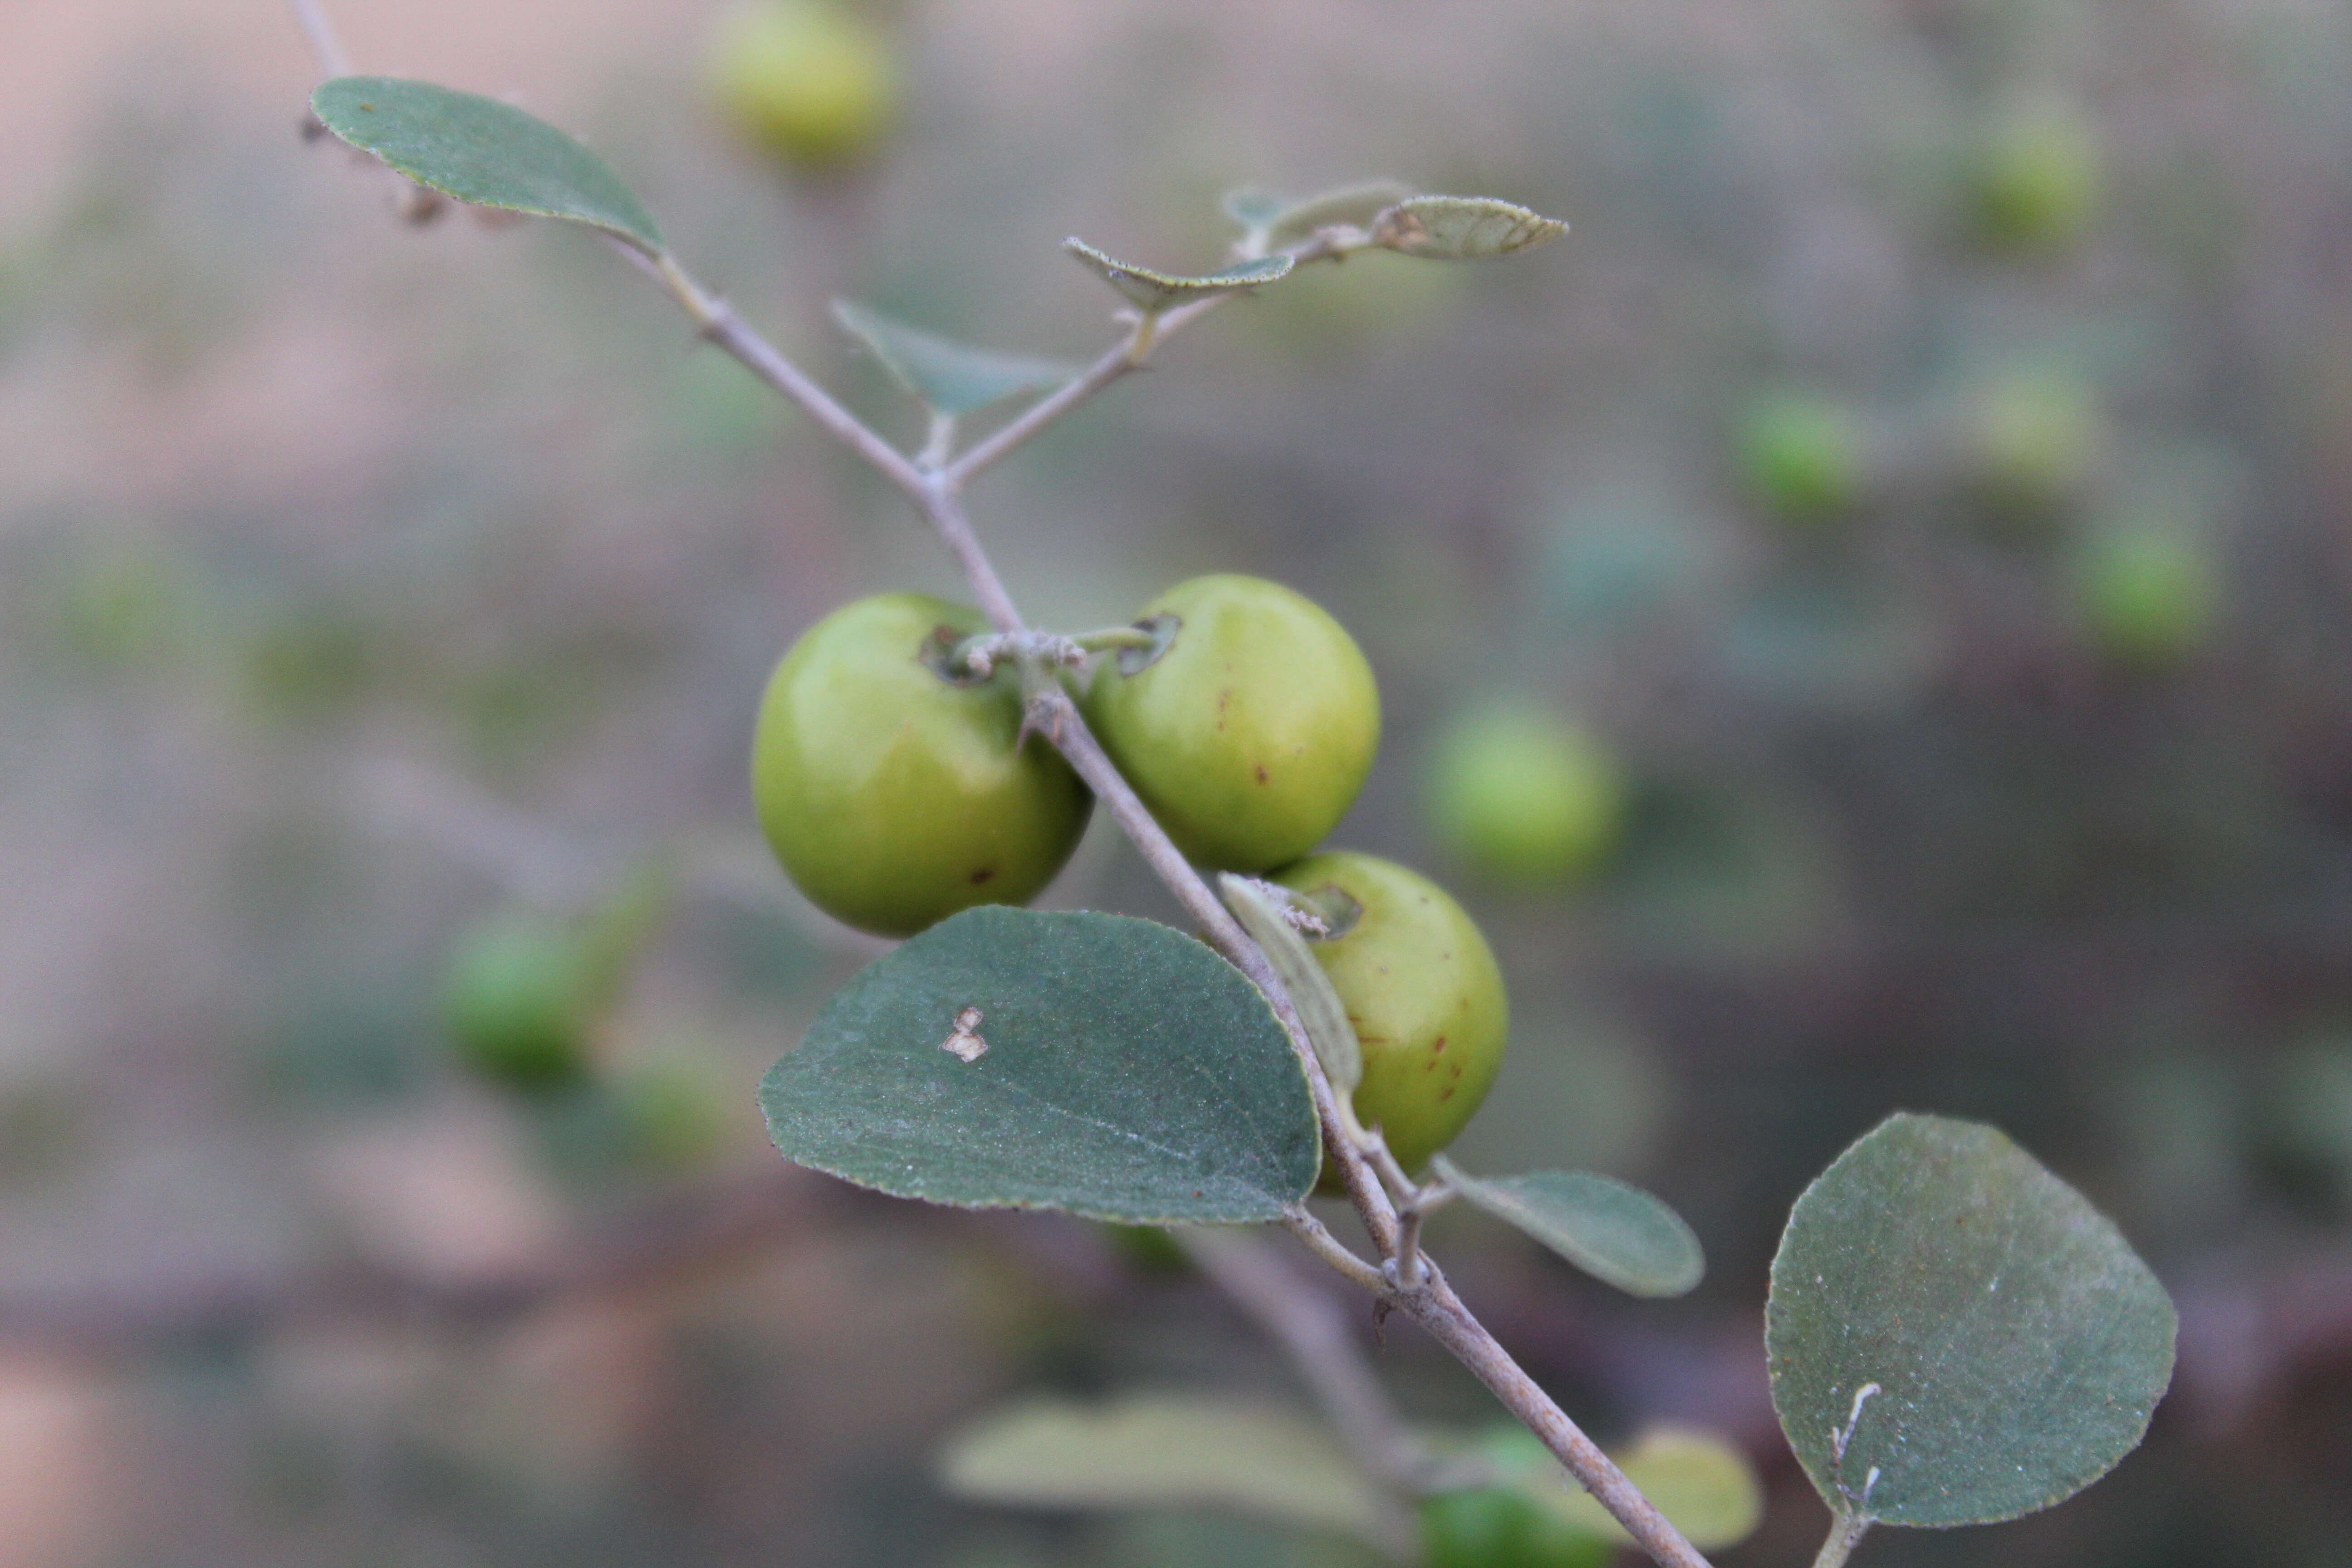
pixel 1954 1335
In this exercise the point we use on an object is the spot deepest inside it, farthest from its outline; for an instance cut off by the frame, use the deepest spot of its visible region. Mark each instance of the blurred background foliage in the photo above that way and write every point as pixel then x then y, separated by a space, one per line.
pixel 1861 621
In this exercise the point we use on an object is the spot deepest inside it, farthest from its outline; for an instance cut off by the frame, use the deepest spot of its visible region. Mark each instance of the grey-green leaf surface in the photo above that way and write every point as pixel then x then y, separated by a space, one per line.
pixel 1319 1008
pixel 1155 291
pixel 947 376
pixel 1130 1074
pixel 1463 228
pixel 1164 1451
pixel 1616 1232
pixel 478 150
pixel 1954 1336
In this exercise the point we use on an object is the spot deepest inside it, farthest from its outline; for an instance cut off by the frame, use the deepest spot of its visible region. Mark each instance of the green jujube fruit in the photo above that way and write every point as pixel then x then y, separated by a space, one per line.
pixel 1522 796
pixel 517 998
pixel 1248 729
pixel 1422 989
pixel 895 794
pixel 809 83
pixel 1497 1526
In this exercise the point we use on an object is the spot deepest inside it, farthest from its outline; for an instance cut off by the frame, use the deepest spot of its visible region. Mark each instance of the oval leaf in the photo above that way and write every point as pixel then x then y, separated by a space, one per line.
pixel 1463 228
pixel 1123 1072
pixel 947 376
pixel 1254 905
pixel 1153 292
pixel 480 151
pixel 1954 1336
pixel 1616 1232
pixel 1164 1451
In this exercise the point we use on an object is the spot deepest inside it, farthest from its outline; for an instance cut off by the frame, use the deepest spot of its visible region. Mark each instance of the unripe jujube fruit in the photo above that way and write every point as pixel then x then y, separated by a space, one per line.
pixel 1499 1527
pixel 517 998
pixel 807 82
pixel 1523 796
pixel 895 794
pixel 1422 988
pixel 1248 729
pixel 1800 456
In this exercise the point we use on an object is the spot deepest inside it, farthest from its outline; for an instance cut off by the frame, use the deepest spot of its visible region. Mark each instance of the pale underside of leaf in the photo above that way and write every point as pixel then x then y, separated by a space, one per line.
pixel 1165 1451
pixel 1254 905
pixel 1273 221
pixel 1955 1336
pixel 948 377
pixel 1155 291
pixel 480 150
pixel 1616 1232
pixel 1463 228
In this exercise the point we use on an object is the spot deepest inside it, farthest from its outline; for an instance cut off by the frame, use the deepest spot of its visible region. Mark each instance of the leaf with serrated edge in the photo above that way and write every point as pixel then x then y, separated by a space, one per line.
pixel 1463 228
pixel 1349 207
pixel 1155 291
pixel 480 150
pixel 1616 1232
pixel 1954 1336
pixel 946 376
pixel 1130 1074
pixel 1320 1007
pixel 1164 1451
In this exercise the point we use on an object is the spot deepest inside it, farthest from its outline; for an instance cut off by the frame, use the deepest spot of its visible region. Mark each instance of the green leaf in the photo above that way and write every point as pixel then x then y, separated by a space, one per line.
pixel 480 151
pixel 947 376
pixel 1616 1232
pixel 1252 208
pixel 1153 292
pixel 1164 1451
pixel 1954 1336
pixel 1463 228
pixel 1701 1484
pixel 1131 1074
pixel 1255 904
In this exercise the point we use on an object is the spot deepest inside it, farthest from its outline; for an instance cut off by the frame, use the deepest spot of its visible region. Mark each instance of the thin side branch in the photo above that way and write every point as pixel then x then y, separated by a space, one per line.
pixel 1128 354
pixel 333 61
pixel 717 321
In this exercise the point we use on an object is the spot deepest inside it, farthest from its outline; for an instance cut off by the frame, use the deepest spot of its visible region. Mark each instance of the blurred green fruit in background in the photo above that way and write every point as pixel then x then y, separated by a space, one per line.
pixel 2149 596
pixel 517 996
pixel 1497 1527
pixel 2034 181
pixel 2035 441
pixel 1422 990
pixel 673 1114
pixel 808 82
pixel 1799 457
pixel 1518 794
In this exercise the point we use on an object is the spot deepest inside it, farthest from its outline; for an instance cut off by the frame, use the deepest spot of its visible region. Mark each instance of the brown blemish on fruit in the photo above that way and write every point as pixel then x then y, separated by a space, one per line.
pixel 1261 773
pixel 982 875
pixel 1437 1045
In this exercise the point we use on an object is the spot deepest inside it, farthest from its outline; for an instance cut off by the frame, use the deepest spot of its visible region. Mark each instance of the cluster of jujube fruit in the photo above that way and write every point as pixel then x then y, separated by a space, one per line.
pixel 894 780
